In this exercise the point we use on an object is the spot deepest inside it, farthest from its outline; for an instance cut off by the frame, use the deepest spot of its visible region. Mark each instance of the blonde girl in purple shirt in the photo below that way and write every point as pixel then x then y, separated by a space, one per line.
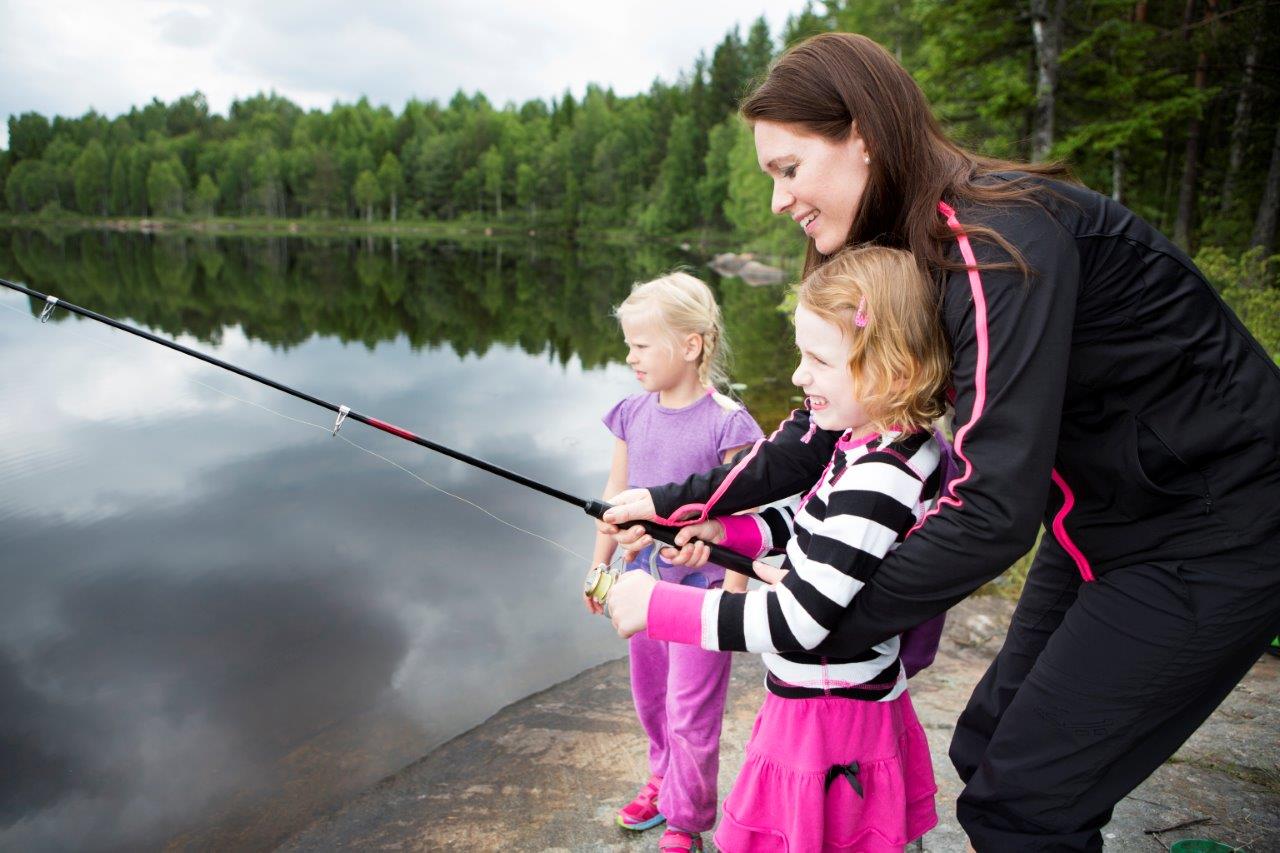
pixel 678 425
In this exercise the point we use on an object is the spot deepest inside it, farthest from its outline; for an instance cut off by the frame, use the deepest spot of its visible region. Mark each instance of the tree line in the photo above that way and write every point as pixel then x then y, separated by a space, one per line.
pixel 1173 109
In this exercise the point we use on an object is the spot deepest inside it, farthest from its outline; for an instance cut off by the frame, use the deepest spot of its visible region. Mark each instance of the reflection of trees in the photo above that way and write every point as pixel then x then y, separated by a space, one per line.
pixel 542 297
pixel 470 296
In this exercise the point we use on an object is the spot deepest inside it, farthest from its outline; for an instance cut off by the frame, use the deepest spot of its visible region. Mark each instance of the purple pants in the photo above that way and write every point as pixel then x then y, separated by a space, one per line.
pixel 679 693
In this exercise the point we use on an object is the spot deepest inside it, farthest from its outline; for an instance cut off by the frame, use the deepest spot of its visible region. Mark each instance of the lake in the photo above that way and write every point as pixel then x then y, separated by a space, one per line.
pixel 217 620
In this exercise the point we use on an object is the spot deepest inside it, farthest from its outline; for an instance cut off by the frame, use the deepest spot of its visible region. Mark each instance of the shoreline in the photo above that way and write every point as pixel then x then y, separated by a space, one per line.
pixel 549 770
pixel 702 241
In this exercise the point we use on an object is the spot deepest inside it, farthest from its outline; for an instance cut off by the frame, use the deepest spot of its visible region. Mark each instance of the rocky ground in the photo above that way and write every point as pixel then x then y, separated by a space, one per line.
pixel 548 772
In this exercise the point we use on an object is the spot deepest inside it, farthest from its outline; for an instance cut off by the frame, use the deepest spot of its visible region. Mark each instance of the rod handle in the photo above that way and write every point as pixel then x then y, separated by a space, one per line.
pixel 667 535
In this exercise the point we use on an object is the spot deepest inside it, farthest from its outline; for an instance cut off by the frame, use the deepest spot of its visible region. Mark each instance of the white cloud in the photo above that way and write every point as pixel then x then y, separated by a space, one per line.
pixel 66 58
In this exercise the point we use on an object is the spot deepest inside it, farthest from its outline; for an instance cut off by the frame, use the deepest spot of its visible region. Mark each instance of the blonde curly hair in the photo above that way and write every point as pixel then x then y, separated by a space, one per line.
pixel 883 301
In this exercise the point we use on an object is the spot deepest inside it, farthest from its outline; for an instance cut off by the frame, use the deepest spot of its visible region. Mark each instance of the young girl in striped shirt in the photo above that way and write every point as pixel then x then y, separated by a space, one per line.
pixel 837 759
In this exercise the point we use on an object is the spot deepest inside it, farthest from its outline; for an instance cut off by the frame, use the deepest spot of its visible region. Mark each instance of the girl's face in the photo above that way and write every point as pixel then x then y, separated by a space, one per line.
pixel 816 182
pixel 659 362
pixel 824 375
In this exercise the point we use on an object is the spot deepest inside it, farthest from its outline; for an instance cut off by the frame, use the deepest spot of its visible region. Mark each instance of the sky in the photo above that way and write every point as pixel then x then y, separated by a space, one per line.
pixel 64 57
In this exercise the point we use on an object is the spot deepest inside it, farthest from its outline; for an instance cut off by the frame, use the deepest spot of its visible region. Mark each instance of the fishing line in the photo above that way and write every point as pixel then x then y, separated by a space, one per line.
pixel 111 344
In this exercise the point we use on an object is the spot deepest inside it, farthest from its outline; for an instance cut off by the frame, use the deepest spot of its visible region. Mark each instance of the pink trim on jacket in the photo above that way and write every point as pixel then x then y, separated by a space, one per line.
pixel 1060 528
pixel 980 402
pixel 675 613
pixel 980 381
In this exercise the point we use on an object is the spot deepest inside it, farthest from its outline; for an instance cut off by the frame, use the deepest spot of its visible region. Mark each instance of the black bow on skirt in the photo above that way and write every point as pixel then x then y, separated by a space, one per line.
pixel 848 771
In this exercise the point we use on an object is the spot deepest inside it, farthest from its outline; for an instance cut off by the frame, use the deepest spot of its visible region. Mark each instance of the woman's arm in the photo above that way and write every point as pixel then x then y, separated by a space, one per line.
pixel 869 510
pixel 786 463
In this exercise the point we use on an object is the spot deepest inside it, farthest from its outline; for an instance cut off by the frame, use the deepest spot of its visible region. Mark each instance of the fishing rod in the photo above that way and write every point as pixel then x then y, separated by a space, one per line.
pixel 598 580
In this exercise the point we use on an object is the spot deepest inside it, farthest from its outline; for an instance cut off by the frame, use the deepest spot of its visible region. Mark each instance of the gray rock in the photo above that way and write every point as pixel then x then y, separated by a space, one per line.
pixel 728 263
pixel 756 274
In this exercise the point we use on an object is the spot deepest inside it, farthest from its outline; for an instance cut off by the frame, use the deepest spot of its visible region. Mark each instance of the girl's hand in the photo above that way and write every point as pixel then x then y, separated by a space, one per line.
pixel 771 575
pixel 629 603
pixel 695 554
pixel 593 606
pixel 629 505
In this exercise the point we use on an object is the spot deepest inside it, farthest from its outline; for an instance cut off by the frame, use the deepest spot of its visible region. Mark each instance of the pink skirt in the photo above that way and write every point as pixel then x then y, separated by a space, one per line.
pixel 780 802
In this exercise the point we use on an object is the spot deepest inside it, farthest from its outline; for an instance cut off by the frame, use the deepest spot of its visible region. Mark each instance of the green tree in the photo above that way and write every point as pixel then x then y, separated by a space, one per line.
pixel 758 51
pixel 32 186
pixel 118 199
pixel 29 133
pixel 491 169
pixel 205 200
pixel 367 192
pixel 527 189
pixel 713 187
pixel 728 76
pixel 91 179
pixel 165 187
pixel 675 206
pixel 391 181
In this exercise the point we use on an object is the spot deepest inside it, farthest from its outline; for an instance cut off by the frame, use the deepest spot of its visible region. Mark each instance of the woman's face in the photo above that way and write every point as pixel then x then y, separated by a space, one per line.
pixel 816 182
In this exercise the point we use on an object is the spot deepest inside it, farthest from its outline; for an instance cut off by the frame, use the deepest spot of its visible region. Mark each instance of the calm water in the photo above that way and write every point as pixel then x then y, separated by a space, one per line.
pixel 215 622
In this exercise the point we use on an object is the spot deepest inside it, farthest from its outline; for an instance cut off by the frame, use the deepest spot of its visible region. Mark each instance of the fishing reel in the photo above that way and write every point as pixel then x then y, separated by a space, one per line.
pixel 599 581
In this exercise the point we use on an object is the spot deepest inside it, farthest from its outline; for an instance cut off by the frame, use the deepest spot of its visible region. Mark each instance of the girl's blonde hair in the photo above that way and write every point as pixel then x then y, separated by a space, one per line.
pixel 682 305
pixel 885 303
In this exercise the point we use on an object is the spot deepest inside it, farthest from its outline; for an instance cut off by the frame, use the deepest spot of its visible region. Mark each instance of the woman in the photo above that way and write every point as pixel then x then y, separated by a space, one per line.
pixel 1101 388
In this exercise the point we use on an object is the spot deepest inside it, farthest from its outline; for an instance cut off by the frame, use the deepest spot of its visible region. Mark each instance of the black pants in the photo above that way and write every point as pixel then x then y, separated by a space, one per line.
pixel 1098 684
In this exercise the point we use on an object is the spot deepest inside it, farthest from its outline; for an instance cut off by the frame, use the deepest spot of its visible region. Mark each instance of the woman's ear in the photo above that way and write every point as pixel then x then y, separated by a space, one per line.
pixel 857 143
pixel 692 349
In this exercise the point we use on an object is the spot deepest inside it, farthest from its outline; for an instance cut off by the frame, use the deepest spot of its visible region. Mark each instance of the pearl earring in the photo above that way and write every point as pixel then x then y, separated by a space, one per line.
pixel 866 158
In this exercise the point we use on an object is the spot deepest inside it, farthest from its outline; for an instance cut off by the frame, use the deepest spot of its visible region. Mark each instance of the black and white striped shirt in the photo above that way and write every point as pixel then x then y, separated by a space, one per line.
pixel 873 492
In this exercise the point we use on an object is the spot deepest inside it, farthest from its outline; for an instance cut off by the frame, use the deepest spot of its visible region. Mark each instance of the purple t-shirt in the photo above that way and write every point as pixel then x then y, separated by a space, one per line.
pixel 667 445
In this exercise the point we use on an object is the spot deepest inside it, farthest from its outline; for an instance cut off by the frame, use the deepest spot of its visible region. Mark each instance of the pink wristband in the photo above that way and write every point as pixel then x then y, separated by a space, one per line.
pixel 675 613
pixel 741 534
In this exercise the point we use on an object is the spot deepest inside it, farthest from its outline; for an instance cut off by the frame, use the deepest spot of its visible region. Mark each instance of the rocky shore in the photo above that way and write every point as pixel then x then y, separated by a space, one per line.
pixel 548 772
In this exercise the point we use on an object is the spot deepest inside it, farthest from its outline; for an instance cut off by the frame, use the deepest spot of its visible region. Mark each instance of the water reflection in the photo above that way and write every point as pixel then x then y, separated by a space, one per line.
pixel 216 622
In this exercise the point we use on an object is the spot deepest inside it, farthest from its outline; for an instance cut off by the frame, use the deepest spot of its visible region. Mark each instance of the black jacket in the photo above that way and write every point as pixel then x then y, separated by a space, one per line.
pixel 1111 397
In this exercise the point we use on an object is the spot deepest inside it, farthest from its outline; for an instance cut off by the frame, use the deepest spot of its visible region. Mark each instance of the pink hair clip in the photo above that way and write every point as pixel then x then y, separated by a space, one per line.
pixel 860 316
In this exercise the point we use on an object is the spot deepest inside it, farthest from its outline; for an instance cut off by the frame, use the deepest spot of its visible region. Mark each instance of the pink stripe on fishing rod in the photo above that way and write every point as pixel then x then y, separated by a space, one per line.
pixel 391 428
pixel 703 509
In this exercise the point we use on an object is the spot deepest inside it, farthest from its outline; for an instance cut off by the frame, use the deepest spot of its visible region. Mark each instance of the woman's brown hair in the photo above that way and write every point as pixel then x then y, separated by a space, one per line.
pixel 886 306
pixel 826 83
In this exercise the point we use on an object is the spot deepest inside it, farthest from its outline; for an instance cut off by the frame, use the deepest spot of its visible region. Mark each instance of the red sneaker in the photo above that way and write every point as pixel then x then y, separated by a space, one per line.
pixel 642 812
pixel 679 841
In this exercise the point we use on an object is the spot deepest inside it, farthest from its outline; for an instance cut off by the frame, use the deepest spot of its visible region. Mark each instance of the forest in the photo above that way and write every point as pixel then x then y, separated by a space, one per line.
pixel 1172 108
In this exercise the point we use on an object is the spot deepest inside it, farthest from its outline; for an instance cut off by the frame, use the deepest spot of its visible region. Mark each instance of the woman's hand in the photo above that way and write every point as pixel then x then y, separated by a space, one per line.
pixel 629 505
pixel 695 554
pixel 629 602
